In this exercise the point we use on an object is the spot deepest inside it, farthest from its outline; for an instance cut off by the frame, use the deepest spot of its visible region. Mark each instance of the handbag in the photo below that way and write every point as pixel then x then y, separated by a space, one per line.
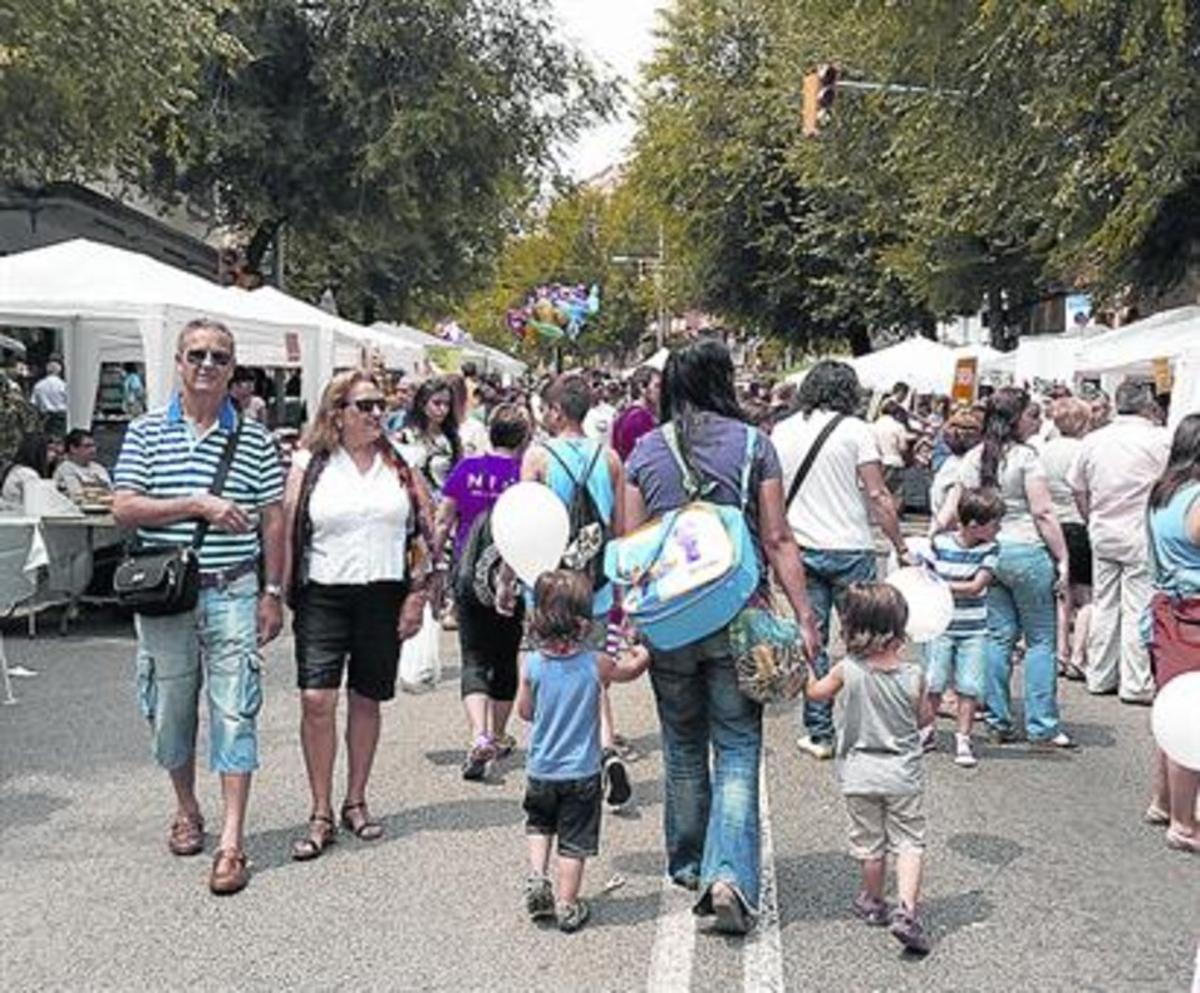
pixel 161 581
pixel 767 655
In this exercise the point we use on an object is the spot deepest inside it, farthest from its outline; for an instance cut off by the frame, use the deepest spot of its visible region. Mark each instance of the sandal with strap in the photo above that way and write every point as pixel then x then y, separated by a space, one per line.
pixel 364 829
pixel 322 833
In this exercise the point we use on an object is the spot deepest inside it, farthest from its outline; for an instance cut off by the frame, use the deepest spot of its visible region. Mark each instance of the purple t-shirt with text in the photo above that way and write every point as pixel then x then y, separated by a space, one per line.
pixel 474 485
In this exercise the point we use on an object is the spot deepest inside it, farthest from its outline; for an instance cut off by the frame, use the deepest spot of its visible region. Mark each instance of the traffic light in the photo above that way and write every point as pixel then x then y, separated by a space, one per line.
pixel 820 91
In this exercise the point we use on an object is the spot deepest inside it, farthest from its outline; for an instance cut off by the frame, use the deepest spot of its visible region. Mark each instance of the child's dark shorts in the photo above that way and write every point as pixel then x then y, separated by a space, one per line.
pixel 569 808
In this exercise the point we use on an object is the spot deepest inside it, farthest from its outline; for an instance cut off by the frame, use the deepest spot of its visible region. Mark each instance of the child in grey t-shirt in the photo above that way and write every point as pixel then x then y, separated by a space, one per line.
pixel 880 761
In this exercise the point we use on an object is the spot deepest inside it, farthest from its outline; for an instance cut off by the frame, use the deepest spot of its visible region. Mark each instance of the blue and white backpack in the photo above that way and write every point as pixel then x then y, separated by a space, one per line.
pixel 688 573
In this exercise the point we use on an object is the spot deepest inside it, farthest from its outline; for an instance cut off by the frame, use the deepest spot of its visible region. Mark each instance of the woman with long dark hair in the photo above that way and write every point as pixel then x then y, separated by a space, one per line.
pixel 430 433
pixel 1032 569
pixel 1174 524
pixel 711 824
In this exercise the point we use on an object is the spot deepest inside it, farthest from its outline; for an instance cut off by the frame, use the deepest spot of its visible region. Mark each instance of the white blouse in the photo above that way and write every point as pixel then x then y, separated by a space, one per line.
pixel 359 522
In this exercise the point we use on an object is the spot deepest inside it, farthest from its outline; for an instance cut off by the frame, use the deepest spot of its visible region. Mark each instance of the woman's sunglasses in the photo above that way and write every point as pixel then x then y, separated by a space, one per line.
pixel 198 356
pixel 368 405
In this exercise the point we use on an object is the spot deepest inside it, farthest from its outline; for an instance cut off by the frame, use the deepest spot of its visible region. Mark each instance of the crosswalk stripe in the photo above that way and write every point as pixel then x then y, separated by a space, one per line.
pixel 762 961
pixel 674 942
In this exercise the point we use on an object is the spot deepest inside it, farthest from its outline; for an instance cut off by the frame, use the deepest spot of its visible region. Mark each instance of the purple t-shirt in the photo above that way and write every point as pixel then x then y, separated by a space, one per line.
pixel 630 425
pixel 474 485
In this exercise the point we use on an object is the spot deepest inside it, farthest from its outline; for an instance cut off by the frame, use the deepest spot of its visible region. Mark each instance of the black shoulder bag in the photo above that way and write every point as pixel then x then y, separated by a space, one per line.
pixel 160 581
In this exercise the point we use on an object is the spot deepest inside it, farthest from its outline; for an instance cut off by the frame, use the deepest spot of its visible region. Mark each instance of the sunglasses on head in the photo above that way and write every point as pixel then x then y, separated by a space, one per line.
pixel 368 405
pixel 198 356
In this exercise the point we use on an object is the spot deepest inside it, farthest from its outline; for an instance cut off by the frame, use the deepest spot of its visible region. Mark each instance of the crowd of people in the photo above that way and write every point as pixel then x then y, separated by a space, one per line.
pixel 1070 540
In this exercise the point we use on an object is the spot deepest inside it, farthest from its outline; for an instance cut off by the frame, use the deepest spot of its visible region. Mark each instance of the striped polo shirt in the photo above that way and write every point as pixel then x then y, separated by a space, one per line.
pixel 957 564
pixel 163 456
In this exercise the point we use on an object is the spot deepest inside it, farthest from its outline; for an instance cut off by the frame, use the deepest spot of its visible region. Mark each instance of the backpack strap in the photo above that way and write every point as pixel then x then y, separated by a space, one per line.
pixel 691 486
pixel 576 483
pixel 748 464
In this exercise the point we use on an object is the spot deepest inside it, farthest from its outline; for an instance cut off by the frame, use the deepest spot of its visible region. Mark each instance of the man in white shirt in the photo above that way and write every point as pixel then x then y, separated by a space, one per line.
pixel 832 511
pixel 79 475
pixel 1111 477
pixel 50 398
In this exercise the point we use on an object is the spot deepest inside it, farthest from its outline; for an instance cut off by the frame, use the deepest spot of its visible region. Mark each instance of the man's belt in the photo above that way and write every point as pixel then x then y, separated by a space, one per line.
pixel 219 580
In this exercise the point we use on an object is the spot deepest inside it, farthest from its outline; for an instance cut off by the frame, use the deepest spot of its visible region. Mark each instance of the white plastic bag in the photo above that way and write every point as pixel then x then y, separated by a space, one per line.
pixel 420 661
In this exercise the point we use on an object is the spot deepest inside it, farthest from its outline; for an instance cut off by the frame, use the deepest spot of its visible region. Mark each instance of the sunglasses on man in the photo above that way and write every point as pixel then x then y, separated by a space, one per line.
pixel 201 356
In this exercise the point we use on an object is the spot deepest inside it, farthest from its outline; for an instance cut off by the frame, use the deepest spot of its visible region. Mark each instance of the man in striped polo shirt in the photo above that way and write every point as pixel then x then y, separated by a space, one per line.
pixel 966 559
pixel 162 485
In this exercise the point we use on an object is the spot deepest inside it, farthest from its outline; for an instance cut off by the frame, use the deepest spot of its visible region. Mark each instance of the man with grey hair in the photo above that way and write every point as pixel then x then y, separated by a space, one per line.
pixel 1111 478
pixel 163 482
pixel 49 396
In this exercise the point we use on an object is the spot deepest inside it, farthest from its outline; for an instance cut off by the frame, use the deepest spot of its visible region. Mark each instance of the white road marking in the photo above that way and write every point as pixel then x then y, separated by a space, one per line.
pixel 762 958
pixel 674 942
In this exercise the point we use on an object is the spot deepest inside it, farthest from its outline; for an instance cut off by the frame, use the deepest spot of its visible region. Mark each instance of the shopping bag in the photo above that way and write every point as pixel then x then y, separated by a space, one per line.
pixel 420 661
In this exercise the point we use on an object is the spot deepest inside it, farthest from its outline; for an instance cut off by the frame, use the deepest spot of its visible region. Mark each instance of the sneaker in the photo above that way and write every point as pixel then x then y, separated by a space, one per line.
pixel 504 745
pixel 1001 735
pixel 963 755
pixel 539 898
pixel 573 916
pixel 929 738
pixel 617 790
pixel 481 753
pixel 867 908
pixel 907 929
pixel 1060 740
pixel 818 749
pixel 727 905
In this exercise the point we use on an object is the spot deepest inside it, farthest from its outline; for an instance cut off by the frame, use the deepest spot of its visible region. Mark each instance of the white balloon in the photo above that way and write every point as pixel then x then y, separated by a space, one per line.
pixel 930 602
pixel 530 528
pixel 1176 720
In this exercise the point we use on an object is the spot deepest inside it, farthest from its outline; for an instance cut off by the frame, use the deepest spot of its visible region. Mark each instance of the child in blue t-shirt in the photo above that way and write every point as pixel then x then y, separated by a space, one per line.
pixel 966 560
pixel 559 694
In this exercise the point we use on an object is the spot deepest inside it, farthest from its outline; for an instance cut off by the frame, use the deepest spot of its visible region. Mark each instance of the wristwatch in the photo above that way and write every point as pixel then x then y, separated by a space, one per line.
pixel 273 589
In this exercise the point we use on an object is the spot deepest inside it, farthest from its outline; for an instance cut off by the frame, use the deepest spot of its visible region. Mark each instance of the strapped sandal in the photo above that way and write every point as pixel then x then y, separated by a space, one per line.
pixel 364 829
pixel 322 833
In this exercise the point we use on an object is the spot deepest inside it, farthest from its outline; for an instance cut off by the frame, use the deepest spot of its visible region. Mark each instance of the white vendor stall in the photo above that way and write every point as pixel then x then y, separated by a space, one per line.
pixel 119 306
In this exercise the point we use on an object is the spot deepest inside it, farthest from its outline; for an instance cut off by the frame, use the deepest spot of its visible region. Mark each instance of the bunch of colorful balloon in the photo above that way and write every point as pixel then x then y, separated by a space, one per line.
pixel 555 311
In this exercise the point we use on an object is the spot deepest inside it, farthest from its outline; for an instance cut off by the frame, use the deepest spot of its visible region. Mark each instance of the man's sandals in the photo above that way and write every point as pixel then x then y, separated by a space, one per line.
pixel 362 826
pixel 322 833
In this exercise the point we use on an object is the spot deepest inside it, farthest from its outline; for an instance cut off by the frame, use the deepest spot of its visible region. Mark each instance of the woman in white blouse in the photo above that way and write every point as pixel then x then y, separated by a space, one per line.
pixel 356 516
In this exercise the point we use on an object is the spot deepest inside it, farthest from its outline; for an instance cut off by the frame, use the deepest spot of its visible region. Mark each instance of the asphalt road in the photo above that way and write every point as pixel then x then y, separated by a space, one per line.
pixel 1040 873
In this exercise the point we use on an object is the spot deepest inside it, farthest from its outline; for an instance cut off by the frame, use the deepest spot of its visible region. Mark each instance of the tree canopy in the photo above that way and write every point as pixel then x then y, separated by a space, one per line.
pixel 397 140
pixel 90 89
pixel 1037 146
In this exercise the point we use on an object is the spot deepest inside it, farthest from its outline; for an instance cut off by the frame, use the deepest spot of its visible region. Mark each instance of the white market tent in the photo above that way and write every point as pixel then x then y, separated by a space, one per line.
pixel 493 358
pixel 116 305
pixel 925 365
pixel 432 345
pixel 1132 349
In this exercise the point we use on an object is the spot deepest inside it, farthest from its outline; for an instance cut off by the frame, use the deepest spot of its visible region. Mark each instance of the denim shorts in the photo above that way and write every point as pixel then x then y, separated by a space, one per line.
pixel 959 661
pixel 214 646
pixel 569 808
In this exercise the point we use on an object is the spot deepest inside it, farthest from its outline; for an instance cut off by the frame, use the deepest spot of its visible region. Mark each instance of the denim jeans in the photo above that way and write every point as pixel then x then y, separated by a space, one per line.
pixel 1021 600
pixel 710 822
pixel 827 574
pixel 215 645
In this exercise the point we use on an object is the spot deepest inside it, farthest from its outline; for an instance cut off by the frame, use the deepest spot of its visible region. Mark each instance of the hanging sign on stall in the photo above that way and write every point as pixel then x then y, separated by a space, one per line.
pixel 291 347
pixel 1164 379
pixel 966 380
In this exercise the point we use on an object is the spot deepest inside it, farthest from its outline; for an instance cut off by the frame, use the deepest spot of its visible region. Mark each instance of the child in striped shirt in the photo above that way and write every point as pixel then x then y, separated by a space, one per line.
pixel 966 560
